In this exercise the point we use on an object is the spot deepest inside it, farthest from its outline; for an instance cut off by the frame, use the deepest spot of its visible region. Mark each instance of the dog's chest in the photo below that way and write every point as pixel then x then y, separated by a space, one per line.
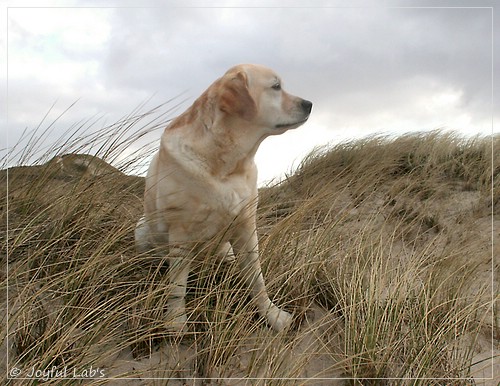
pixel 210 208
pixel 204 197
pixel 228 198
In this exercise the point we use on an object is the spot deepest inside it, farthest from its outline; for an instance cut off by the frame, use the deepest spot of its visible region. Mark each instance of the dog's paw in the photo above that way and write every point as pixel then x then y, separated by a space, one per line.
pixel 278 319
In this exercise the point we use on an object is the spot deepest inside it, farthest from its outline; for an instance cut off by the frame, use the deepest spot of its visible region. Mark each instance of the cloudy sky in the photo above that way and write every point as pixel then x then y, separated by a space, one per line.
pixel 368 66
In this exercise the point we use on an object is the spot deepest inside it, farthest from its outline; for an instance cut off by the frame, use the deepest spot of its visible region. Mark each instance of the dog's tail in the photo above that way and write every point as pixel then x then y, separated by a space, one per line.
pixel 141 233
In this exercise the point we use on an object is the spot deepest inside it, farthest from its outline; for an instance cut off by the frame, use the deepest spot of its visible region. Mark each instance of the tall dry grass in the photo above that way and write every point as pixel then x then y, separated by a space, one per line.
pixel 377 246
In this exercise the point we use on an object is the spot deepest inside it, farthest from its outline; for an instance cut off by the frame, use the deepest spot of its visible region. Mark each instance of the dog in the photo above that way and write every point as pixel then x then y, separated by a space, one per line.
pixel 203 180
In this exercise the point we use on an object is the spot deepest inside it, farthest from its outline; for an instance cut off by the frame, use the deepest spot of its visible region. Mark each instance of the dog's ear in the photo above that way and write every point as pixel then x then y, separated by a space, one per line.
pixel 235 98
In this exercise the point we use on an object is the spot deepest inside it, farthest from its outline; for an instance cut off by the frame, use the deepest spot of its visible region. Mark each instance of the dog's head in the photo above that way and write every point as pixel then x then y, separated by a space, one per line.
pixel 255 94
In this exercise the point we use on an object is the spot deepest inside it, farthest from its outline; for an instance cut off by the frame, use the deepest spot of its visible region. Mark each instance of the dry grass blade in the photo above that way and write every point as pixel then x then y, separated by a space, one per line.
pixel 380 247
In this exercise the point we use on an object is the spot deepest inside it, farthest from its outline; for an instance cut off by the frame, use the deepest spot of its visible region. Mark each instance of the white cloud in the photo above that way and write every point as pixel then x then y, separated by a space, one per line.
pixel 366 69
pixel 54 54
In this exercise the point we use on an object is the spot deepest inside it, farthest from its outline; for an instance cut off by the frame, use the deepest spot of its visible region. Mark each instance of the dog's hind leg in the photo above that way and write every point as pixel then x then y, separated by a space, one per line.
pixel 226 253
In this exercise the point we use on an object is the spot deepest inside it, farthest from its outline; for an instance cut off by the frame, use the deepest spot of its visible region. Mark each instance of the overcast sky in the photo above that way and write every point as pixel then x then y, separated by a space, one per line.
pixel 368 66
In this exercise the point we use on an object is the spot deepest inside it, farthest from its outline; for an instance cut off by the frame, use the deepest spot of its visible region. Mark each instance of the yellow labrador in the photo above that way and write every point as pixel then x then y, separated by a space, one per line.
pixel 204 178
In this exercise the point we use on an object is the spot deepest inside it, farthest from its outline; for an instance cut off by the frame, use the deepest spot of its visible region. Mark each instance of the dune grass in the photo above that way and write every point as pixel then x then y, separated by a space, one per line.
pixel 380 247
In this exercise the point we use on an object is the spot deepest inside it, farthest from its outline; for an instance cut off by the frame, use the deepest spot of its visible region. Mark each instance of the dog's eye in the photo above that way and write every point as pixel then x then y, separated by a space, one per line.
pixel 276 87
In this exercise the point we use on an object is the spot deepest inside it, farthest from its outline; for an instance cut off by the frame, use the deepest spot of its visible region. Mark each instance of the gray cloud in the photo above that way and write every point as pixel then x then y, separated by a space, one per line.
pixel 367 68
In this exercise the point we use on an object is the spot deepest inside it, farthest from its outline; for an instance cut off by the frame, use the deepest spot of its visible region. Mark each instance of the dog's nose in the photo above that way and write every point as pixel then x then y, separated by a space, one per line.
pixel 306 106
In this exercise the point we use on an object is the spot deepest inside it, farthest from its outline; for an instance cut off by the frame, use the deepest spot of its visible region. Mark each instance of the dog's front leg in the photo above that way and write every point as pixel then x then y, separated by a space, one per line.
pixel 179 261
pixel 246 247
